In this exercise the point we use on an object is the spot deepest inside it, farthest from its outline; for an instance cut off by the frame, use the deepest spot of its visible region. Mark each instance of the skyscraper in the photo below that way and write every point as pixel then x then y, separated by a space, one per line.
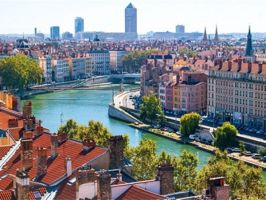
pixel 131 19
pixel 79 25
pixel 180 29
pixel 55 32
pixel 249 48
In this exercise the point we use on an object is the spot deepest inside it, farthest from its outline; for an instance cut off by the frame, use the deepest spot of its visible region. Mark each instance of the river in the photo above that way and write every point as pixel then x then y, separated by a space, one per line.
pixel 84 105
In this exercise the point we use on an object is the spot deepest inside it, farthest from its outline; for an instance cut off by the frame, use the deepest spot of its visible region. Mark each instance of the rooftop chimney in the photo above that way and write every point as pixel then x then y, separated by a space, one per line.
pixel 12 123
pixel 61 137
pixel 218 190
pixel 68 166
pixel 54 145
pixel 27 110
pixel 41 161
pixel 26 152
pixel 116 151
pixel 104 186
pixel 88 145
pixel 22 185
pixel 166 177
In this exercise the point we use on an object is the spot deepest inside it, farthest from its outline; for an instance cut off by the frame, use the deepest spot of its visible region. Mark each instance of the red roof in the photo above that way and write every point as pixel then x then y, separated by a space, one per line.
pixel 7 195
pixel 6 183
pixel 56 168
pixel 137 193
pixel 5 115
pixel 66 191
pixel 15 133
pixel 4 150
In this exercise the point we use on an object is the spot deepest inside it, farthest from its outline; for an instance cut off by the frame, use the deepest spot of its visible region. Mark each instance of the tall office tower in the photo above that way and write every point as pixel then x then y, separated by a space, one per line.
pixel 180 29
pixel 55 32
pixel 79 25
pixel 131 19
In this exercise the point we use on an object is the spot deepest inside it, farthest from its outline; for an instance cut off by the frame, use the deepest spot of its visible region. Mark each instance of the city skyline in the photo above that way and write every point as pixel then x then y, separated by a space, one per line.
pixel 156 15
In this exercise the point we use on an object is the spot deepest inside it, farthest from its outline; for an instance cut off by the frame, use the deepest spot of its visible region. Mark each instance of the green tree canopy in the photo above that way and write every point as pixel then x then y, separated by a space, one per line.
pixel 135 59
pixel 19 72
pixel 151 109
pixel 189 123
pixel 225 136
pixel 187 52
pixel 95 131
pixel 245 182
pixel 144 160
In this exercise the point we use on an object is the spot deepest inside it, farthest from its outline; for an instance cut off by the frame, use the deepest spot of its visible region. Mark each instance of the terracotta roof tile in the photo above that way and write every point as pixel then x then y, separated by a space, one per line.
pixel 7 195
pixel 4 150
pixel 15 133
pixel 66 191
pixel 56 168
pixel 6 183
pixel 5 115
pixel 137 193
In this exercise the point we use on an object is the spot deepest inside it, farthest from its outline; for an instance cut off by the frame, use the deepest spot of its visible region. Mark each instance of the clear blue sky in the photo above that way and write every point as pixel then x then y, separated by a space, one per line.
pixel 18 16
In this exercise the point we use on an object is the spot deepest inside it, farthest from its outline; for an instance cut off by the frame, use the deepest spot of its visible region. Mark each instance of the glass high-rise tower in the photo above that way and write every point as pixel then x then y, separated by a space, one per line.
pixel 131 19
pixel 79 25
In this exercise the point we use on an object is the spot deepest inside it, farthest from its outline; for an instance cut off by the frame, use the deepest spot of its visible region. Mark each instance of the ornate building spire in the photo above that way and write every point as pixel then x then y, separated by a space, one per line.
pixel 205 37
pixel 249 48
pixel 216 37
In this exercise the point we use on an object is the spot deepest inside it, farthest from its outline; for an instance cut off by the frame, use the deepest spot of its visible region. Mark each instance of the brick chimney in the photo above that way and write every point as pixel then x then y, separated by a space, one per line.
pixel 26 151
pixel 39 130
pixel 116 151
pixel 29 124
pixel 54 145
pixel 12 123
pixel 41 161
pixel 84 175
pixel 88 144
pixel 61 137
pixel 27 110
pixel 68 166
pixel 166 177
pixel 104 186
pixel 218 190
pixel 22 185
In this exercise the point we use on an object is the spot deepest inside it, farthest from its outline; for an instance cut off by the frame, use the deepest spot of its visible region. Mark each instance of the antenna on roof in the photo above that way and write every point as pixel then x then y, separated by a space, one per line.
pixel 61 118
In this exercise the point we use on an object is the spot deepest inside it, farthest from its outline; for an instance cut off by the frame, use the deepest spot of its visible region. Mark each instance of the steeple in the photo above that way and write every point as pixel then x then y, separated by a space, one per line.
pixel 205 37
pixel 249 48
pixel 216 37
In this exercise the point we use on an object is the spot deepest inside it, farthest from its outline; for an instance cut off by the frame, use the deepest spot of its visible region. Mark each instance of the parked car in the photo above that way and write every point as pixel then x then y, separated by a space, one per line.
pixel 263 159
pixel 247 153
pixel 192 137
pixel 256 156
pixel 236 150
pixel 260 132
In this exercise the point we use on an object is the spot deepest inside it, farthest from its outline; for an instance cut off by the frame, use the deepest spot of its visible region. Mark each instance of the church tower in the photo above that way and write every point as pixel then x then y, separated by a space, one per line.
pixel 216 37
pixel 249 48
pixel 205 37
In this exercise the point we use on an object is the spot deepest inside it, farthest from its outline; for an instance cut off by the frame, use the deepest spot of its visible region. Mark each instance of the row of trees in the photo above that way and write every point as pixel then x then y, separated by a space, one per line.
pixel 151 112
pixel 19 72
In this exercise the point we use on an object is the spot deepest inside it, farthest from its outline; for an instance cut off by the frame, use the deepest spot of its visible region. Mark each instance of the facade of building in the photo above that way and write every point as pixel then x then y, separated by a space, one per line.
pixel 180 29
pixel 79 25
pixel 67 36
pixel 78 68
pixel 116 59
pixel 131 19
pixel 61 70
pixel 237 93
pixel 45 64
pixel 100 61
pixel 55 32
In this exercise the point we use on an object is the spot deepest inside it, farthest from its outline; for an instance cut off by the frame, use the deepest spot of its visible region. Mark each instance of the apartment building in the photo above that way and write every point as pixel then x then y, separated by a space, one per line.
pixel 116 59
pixel 45 64
pixel 100 61
pixel 61 70
pixel 237 93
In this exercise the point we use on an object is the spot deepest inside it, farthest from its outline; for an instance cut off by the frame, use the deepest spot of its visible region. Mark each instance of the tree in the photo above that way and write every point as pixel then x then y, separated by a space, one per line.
pixel 144 160
pixel 151 109
pixel 225 136
pixel 187 52
pixel 262 151
pixel 245 182
pixel 95 131
pixel 19 72
pixel 135 59
pixel 189 123
pixel 242 147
